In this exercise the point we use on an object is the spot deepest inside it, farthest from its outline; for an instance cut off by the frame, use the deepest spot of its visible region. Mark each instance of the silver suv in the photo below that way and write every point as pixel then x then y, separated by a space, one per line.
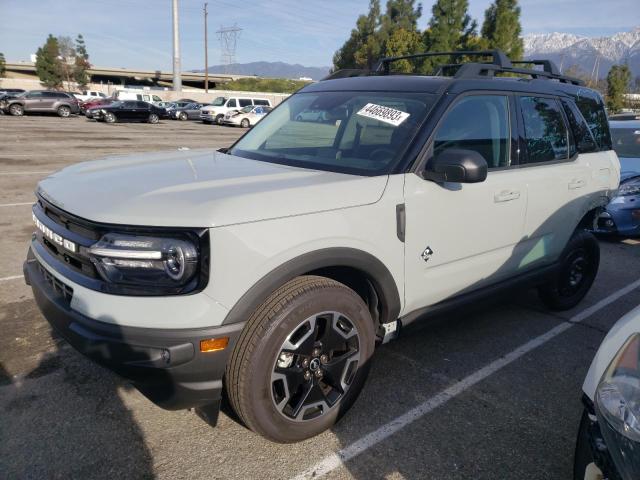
pixel 42 101
pixel 359 205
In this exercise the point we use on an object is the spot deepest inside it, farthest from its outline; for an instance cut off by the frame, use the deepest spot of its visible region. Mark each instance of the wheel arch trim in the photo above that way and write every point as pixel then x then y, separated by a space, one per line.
pixel 374 270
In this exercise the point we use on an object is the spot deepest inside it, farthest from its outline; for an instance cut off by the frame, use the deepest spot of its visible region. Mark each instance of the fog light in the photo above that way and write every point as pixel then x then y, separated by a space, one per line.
pixel 609 223
pixel 214 344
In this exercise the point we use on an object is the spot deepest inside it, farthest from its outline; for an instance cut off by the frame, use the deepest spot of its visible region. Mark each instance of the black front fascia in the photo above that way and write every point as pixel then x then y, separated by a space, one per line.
pixel 78 266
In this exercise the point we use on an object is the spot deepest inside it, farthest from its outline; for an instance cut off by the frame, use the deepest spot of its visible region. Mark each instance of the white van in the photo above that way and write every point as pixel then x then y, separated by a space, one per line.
pixel 216 110
pixel 140 95
pixel 89 95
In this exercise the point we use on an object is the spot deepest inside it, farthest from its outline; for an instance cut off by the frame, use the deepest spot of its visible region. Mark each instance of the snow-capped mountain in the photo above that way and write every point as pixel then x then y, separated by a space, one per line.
pixel 569 50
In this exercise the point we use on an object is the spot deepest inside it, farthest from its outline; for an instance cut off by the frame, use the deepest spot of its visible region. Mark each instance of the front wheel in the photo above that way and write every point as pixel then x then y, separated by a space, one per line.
pixel 245 123
pixel 16 110
pixel 110 117
pixel 301 360
pixel 219 119
pixel 64 111
pixel 153 118
pixel 576 273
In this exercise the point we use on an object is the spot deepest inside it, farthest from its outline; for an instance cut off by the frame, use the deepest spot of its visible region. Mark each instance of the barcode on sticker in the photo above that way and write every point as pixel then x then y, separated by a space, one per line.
pixel 383 114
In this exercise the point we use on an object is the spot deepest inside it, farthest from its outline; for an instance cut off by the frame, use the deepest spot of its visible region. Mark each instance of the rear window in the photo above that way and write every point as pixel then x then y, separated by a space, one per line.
pixel 583 139
pixel 261 102
pixel 591 106
pixel 244 102
pixel 547 137
pixel 363 133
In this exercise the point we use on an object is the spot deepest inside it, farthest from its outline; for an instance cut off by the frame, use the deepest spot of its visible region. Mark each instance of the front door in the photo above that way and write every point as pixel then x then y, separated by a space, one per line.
pixel 460 237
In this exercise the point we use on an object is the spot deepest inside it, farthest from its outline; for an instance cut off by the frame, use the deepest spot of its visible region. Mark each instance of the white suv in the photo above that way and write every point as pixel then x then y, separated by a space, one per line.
pixel 216 110
pixel 272 269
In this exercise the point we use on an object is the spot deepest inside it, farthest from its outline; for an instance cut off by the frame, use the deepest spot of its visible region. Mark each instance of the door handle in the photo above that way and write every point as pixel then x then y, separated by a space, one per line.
pixel 576 183
pixel 506 196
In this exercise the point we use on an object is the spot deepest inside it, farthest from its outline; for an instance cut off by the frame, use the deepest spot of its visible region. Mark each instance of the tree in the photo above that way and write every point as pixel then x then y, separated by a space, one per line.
pixel 403 42
pixel 501 28
pixel 67 58
pixel 3 65
pixel 362 49
pixel 48 65
pixel 618 80
pixel 450 28
pixel 82 64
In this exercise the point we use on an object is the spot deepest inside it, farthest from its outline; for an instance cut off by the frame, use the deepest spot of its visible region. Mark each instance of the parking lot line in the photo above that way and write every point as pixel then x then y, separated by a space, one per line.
pixel 15 204
pixel 337 459
pixel 13 277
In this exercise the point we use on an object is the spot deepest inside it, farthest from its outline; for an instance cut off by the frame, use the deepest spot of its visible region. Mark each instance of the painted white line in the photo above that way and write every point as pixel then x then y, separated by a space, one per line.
pixel 25 173
pixel 337 459
pixel 14 277
pixel 15 204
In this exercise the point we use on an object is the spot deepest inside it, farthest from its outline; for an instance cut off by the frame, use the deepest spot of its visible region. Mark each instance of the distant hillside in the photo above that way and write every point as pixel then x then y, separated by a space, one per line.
pixel 271 70
pixel 569 50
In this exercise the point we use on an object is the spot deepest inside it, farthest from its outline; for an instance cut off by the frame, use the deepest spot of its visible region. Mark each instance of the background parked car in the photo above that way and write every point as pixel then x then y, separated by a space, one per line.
pixel 96 102
pixel 11 90
pixel 129 111
pixel 86 95
pixel 246 117
pixel 141 95
pixel 44 101
pixel 216 110
pixel 609 436
pixel 190 111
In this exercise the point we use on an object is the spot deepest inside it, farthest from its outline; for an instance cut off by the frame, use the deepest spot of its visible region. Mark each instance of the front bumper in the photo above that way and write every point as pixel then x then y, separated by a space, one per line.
pixel 621 217
pixel 166 365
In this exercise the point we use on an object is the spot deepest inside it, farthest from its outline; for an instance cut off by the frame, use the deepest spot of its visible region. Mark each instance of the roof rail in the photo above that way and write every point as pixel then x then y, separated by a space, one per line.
pixel 470 70
pixel 547 65
pixel 499 58
pixel 347 72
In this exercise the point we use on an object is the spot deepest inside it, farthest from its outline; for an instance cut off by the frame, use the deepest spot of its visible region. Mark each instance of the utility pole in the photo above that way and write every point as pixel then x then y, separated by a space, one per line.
pixel 177 79
pixel 206 53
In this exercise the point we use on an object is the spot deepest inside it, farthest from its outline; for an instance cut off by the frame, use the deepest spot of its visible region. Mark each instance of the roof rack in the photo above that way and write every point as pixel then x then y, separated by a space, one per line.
pixel 499 58
pixel 499 63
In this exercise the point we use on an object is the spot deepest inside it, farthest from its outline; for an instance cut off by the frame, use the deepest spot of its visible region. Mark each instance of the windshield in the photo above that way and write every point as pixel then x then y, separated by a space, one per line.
pixel 247 109
pixel 362 133
pixel 117 103
pixel 218 102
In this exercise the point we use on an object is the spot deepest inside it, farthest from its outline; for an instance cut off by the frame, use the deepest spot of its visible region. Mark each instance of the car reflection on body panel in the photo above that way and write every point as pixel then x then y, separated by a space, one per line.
pixel 622 215
pixel 247 117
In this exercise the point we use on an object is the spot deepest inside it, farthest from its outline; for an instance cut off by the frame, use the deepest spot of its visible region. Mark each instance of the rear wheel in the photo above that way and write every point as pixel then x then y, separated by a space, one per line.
pixel 219 119
pixel 64 111
pixel 16 110
pixel 578 269
pixel 110 117
pixel 245 123
pixel 153 118
pixel 301 360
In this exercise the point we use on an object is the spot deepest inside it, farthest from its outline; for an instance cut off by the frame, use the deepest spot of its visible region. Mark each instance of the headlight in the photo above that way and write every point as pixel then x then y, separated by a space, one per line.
pixel 629 189
pixel 145 261
pixel 618 394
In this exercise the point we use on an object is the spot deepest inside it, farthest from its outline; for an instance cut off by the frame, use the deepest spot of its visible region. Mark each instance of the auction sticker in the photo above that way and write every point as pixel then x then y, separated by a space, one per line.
pixel 384 114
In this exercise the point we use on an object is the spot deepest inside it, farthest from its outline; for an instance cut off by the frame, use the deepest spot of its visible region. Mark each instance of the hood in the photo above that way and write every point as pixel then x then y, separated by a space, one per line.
pixel 200 189
pixel 612 343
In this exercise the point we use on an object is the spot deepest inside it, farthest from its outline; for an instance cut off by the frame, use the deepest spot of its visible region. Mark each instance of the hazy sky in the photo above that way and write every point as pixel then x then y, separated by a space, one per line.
pixel 137 33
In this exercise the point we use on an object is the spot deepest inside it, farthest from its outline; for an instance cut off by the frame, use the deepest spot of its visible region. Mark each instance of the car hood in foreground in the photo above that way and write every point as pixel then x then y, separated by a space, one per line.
pixel 200 189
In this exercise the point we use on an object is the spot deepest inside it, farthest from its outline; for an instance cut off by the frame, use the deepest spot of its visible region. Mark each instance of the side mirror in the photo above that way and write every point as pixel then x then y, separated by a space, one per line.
pixel 457 166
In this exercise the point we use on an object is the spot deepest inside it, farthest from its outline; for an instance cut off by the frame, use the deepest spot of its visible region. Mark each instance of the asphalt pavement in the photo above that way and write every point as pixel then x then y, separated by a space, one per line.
pixel 491 392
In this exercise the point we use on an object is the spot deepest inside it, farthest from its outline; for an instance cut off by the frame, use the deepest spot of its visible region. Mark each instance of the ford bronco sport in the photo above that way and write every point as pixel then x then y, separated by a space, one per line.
pixel 271 269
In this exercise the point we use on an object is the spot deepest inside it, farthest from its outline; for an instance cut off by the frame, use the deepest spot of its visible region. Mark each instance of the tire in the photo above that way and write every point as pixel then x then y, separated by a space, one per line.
pixel 245 123
pixel 578 268
pixel 583 455
pixel 110 118
pixel 16 110
pixel 153 118
pixel 183 116
pixel 257 388
pixel 63 111
pixel 219 119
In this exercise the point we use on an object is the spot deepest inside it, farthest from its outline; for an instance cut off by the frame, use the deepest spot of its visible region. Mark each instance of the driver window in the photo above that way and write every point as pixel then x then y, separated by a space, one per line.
pixel 479 123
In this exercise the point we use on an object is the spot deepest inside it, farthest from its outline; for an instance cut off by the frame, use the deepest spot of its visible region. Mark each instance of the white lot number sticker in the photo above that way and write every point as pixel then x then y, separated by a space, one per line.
pixel 384 114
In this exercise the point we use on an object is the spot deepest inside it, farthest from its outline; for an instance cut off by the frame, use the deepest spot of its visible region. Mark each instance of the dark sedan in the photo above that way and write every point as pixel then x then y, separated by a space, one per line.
pixel 129 111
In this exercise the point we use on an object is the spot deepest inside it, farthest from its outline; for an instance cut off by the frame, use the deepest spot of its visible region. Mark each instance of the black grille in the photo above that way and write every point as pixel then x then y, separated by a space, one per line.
pixel 59 287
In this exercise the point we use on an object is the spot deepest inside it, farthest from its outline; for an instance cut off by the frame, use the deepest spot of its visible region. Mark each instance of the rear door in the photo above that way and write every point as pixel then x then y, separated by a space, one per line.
pixel 128 111
pixel 142 111
pixel 559 183
pixel 460 237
